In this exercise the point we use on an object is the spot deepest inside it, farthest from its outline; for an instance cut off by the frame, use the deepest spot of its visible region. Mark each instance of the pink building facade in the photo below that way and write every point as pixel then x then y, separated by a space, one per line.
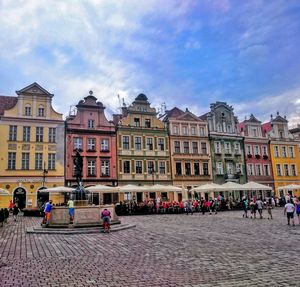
pixel 257 152
pixel 94 136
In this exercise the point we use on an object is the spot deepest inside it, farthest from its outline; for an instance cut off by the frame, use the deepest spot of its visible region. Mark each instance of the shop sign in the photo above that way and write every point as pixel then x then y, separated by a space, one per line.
pixel 30 179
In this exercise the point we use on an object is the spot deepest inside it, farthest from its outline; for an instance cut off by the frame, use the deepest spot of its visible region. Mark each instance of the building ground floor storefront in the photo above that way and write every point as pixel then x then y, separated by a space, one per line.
pixel 28 191
pixel 283 192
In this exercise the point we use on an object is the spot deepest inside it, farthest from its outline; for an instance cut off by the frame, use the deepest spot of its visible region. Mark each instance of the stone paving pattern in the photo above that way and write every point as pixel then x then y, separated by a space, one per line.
pixel 162 250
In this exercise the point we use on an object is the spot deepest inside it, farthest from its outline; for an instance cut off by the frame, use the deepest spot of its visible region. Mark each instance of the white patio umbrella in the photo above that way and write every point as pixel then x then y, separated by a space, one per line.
pixel 133 188
pixel 63 189
pixel 160 187
pixel 103 189
pixel 4 191
pixel 251 185
pixel 289 187
pixel 174 188
pixel 229 185
pixel 207 187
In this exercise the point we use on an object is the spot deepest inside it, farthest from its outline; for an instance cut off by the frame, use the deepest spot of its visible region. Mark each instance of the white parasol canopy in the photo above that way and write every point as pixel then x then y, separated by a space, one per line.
pixel 58 189
pixel 103 188
pixel 4 191
pixel 160 187
pixel 229 185
pixel 289 187
pixel 133 188
pixel 207 187
pixel 251 185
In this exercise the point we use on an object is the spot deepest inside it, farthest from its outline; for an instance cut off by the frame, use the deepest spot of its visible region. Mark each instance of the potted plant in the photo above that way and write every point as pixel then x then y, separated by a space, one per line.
pixel 265 156
pixel 249 155
pixel 257 156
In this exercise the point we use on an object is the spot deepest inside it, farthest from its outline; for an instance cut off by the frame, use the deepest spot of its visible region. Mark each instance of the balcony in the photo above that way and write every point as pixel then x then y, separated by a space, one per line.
pixel 105 150
pixel 91 150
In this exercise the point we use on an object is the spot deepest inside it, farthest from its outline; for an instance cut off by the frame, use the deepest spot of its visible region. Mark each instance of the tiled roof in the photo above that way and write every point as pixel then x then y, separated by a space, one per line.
pixel 6 103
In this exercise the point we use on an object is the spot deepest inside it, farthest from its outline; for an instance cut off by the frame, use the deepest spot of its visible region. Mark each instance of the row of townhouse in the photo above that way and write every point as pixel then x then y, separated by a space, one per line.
pixel 136 147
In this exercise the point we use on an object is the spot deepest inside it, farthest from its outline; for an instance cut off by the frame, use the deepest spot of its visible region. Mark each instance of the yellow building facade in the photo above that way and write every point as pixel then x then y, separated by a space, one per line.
pixel 31 146
pixel 284 155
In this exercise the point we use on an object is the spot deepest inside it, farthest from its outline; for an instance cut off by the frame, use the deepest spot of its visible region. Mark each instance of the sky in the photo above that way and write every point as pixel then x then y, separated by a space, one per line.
pixel 184 53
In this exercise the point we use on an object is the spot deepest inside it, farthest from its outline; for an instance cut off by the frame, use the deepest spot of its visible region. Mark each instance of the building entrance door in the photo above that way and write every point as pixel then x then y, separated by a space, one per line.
pixel 20 197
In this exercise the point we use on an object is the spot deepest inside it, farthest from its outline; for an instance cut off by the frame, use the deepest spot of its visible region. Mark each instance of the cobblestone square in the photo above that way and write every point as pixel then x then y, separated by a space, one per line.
pixel 162 250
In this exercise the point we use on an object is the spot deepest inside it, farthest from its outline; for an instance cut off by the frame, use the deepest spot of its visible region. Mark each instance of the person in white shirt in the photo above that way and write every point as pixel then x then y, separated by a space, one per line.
pixel 289 210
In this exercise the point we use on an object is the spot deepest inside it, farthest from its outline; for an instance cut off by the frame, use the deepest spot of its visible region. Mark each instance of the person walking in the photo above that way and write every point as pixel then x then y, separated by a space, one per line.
pixel 71 209
pixel 260 206
pixel 16 211
pixel 11 206
pixel 289 210
pixel 245 207
pixel 253 208
pixel 297 206
pixel 47 211
pixel 270 206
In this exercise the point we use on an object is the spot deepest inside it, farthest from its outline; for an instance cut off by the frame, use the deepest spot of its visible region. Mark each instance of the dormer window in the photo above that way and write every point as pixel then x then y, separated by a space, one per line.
pixel 27 110
pixel 41 111
pixel 91 124
pixel 137 122
pixel 147 123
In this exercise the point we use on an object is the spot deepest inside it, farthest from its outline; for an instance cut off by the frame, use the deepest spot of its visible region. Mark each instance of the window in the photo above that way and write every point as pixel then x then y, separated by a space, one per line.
pixel 237 148
pixel 256 150
pixel 286 169
pixel 91 124
pixel 138 167
pixel 162 167
pixel 196 168
pixel 161 144
pixel 27 110
pixel 126 166
pixel 205 168
pixel 202 131
pixel 26 134
pixel 281 134
pixel 284 151
pixel 185 130
pixel 249 149
pixel 239 168
pixel 12 133
pixel 258 170
pixel 293 169
pixel 105 145
pixel 91 143
pixel 254 132
pixel 149 142
pixel 91 167
pixel 264 150
pixel 25 160
pixel 177 146
pixel 186 147
pixel 104 167
pixel 38 161
pixel 291 151
pixel 187 168
pixel 276 151
pixel 52 135
pixel 219 168
pixel 77 143
pixel 250 169
pixel 193 130
pixel 229 168
pixel 11 160
pixel 175 130
pixel 137 122
pixel 267 170
pixel 39 134
pixel 125 142
pixel 278 169
pixel 227 148
pixel 51 161
pixel 178 168
pixel 41 111
pixel 147 123
pixel 203 148
pixel 195 147
pixel 138 143
pixel 151 167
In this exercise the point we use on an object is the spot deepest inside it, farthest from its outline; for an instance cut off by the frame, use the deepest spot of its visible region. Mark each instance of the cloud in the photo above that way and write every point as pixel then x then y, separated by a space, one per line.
pixel 192 44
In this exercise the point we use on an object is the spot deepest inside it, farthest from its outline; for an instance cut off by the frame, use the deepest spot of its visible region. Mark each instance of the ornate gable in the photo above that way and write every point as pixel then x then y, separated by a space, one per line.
pixel 34 89
pixel 188 116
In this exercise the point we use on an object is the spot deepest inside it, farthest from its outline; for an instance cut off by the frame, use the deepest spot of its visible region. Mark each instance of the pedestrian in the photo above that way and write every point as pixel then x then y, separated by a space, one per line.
pixel 71 209
pixel 47 211
pixel 245 207
pixel 211 206
pixel 11 206
pixel 297 206
pixel 16 211
pixel 289 210
pixel 253 208
pixel 270 206
pixel 157 204
pixel 260 206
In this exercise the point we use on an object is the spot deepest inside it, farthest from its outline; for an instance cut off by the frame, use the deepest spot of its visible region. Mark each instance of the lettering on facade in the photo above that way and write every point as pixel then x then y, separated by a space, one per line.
pixel 30 180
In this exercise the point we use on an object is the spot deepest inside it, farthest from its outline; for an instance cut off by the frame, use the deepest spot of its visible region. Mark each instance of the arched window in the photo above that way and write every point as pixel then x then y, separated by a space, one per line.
pixel 27 110
pixel 41 111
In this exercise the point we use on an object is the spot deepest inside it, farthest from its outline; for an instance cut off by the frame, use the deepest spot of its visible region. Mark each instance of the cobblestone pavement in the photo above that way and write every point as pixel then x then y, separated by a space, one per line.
pixel 162 250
